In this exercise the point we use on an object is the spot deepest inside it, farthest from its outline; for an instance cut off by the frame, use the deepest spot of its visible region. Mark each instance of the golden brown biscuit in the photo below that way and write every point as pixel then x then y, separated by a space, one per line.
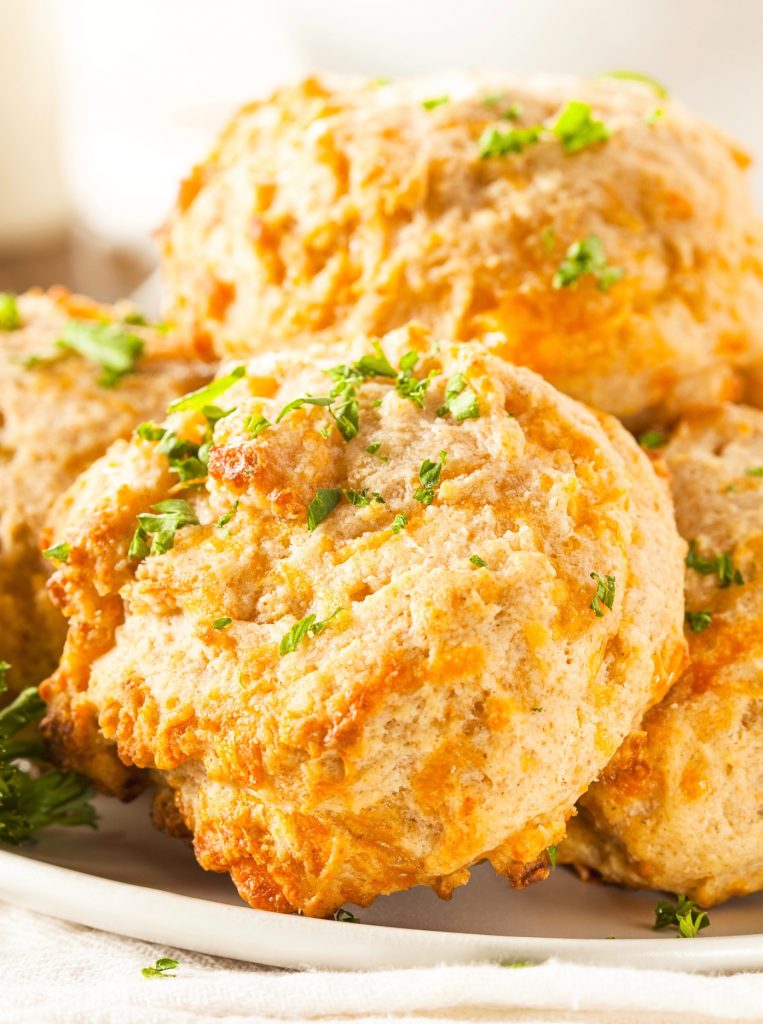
pixel 55 419
pixel 343 207
pixel 679 808
pixel 382 656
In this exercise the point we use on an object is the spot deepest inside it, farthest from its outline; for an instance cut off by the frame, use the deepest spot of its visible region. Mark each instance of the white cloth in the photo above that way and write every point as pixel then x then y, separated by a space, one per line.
pixel 57 973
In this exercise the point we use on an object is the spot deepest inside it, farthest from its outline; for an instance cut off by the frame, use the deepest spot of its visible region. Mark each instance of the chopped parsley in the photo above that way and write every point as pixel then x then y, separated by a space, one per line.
pixel 720 565
pixel 429 475
pixel 170 516
pixel 496 141
pixel 552 854
pixel 29 799
pixel 344 915
pixel 399 522
pixel 227 516
pixel 308 626
pixel 651 439
pixel 698 621
pixel 109 346
pixel 683 914
pixel 255 425
pixel 150 432
pixel 361 498
pixel 197 400
pixel 460 401
pixel 407 385
pixel 373 449
pixel 436 101
pixel 605 594
pixel 586 256
pixel 638 76
pixel 297 403
pixel 59 552
pixel 10 318
pixel 479 562
pixel 323 504
pixel 161 968
pixel 754 471
pixel 223 622
pixel 576 128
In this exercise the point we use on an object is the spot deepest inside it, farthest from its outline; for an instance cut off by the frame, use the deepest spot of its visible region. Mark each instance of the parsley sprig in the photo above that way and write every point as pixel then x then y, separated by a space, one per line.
pixel 429 476
pixel 720 565
pixel 155 533
pixel 496 141
pixel 308 626
pixel 576 128
pixel 161 968
pixel 36 798
pixel 698 622
pixel 605 594
pixel 197 401
pixel 460 400
pixel 683 914
pixel 586 256
pixel 107 345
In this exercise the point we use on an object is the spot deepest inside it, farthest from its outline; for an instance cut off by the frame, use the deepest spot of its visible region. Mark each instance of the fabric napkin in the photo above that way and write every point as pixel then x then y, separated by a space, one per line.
pixel 57 973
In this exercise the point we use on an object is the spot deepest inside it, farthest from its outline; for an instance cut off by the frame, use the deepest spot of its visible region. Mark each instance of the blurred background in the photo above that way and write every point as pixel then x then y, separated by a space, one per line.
pixel 105 104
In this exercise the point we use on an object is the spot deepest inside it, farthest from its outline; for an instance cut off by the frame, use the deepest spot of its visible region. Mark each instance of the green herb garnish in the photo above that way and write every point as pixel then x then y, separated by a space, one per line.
pixel 479 562
pixel 460 401
pixel 161 968
pixel 227 516
pixel 399 522
pixel 586 257
pixel 698 621
pixel 109 346
pixel 170 516
pixel 496 141
pixel 436 101
pixel 429 475
pixel 361 498
pixel 576 128
pixel 605 593
pixel 255 425
pixel 59 552
pixel 304 627
pixel 720 565
pixel 638 76
pixel 196 400
pixel 683 914
pixel 223 622
pixel 552 854
pixel 651 439
pixel 30 801
pixel 344 915
pixel 150 432
pixel 323 504
pixel 754 471
pixel 10 318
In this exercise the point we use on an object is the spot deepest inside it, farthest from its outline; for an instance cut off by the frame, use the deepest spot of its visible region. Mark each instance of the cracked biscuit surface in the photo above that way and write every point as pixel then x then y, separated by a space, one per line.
pixel 55 419
pixel 419 681
pixel 681 805
pixel 339 207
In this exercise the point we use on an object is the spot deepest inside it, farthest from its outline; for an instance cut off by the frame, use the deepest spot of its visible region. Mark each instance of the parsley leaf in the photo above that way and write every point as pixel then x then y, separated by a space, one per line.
pixel 399 522
pixel 496 141
pixel 109 346
pixel 255 425
pixel 479 562
pixel 161 968
pixel 586 257
pixel 552 854
pixel 436 101
pixel 10 318
pixel 196 400
pixel 651 439
pixel 638 76
pixel 308 626
pixel 720 565
pixel 60 552
pixel 171 515
pixel 297 403
pixel 754 471
pixel 576 129
pixel 223 622
pixel 605 593
pixel 28 801
pixel 683 914
pixel 227 516
pixel 323 504
pixel 344 915
pixel 361 498
pixel 429 475
pixel 698 621
pixel 409 386
pixel 150 432
pixel 373 449
pixel 460 401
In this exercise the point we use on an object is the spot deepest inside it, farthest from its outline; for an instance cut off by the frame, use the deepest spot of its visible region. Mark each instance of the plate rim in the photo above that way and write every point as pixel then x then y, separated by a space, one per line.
pixel 292 941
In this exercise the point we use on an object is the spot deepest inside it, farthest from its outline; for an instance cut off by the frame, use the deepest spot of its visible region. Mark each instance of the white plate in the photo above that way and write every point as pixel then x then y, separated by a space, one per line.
pixel 127 878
